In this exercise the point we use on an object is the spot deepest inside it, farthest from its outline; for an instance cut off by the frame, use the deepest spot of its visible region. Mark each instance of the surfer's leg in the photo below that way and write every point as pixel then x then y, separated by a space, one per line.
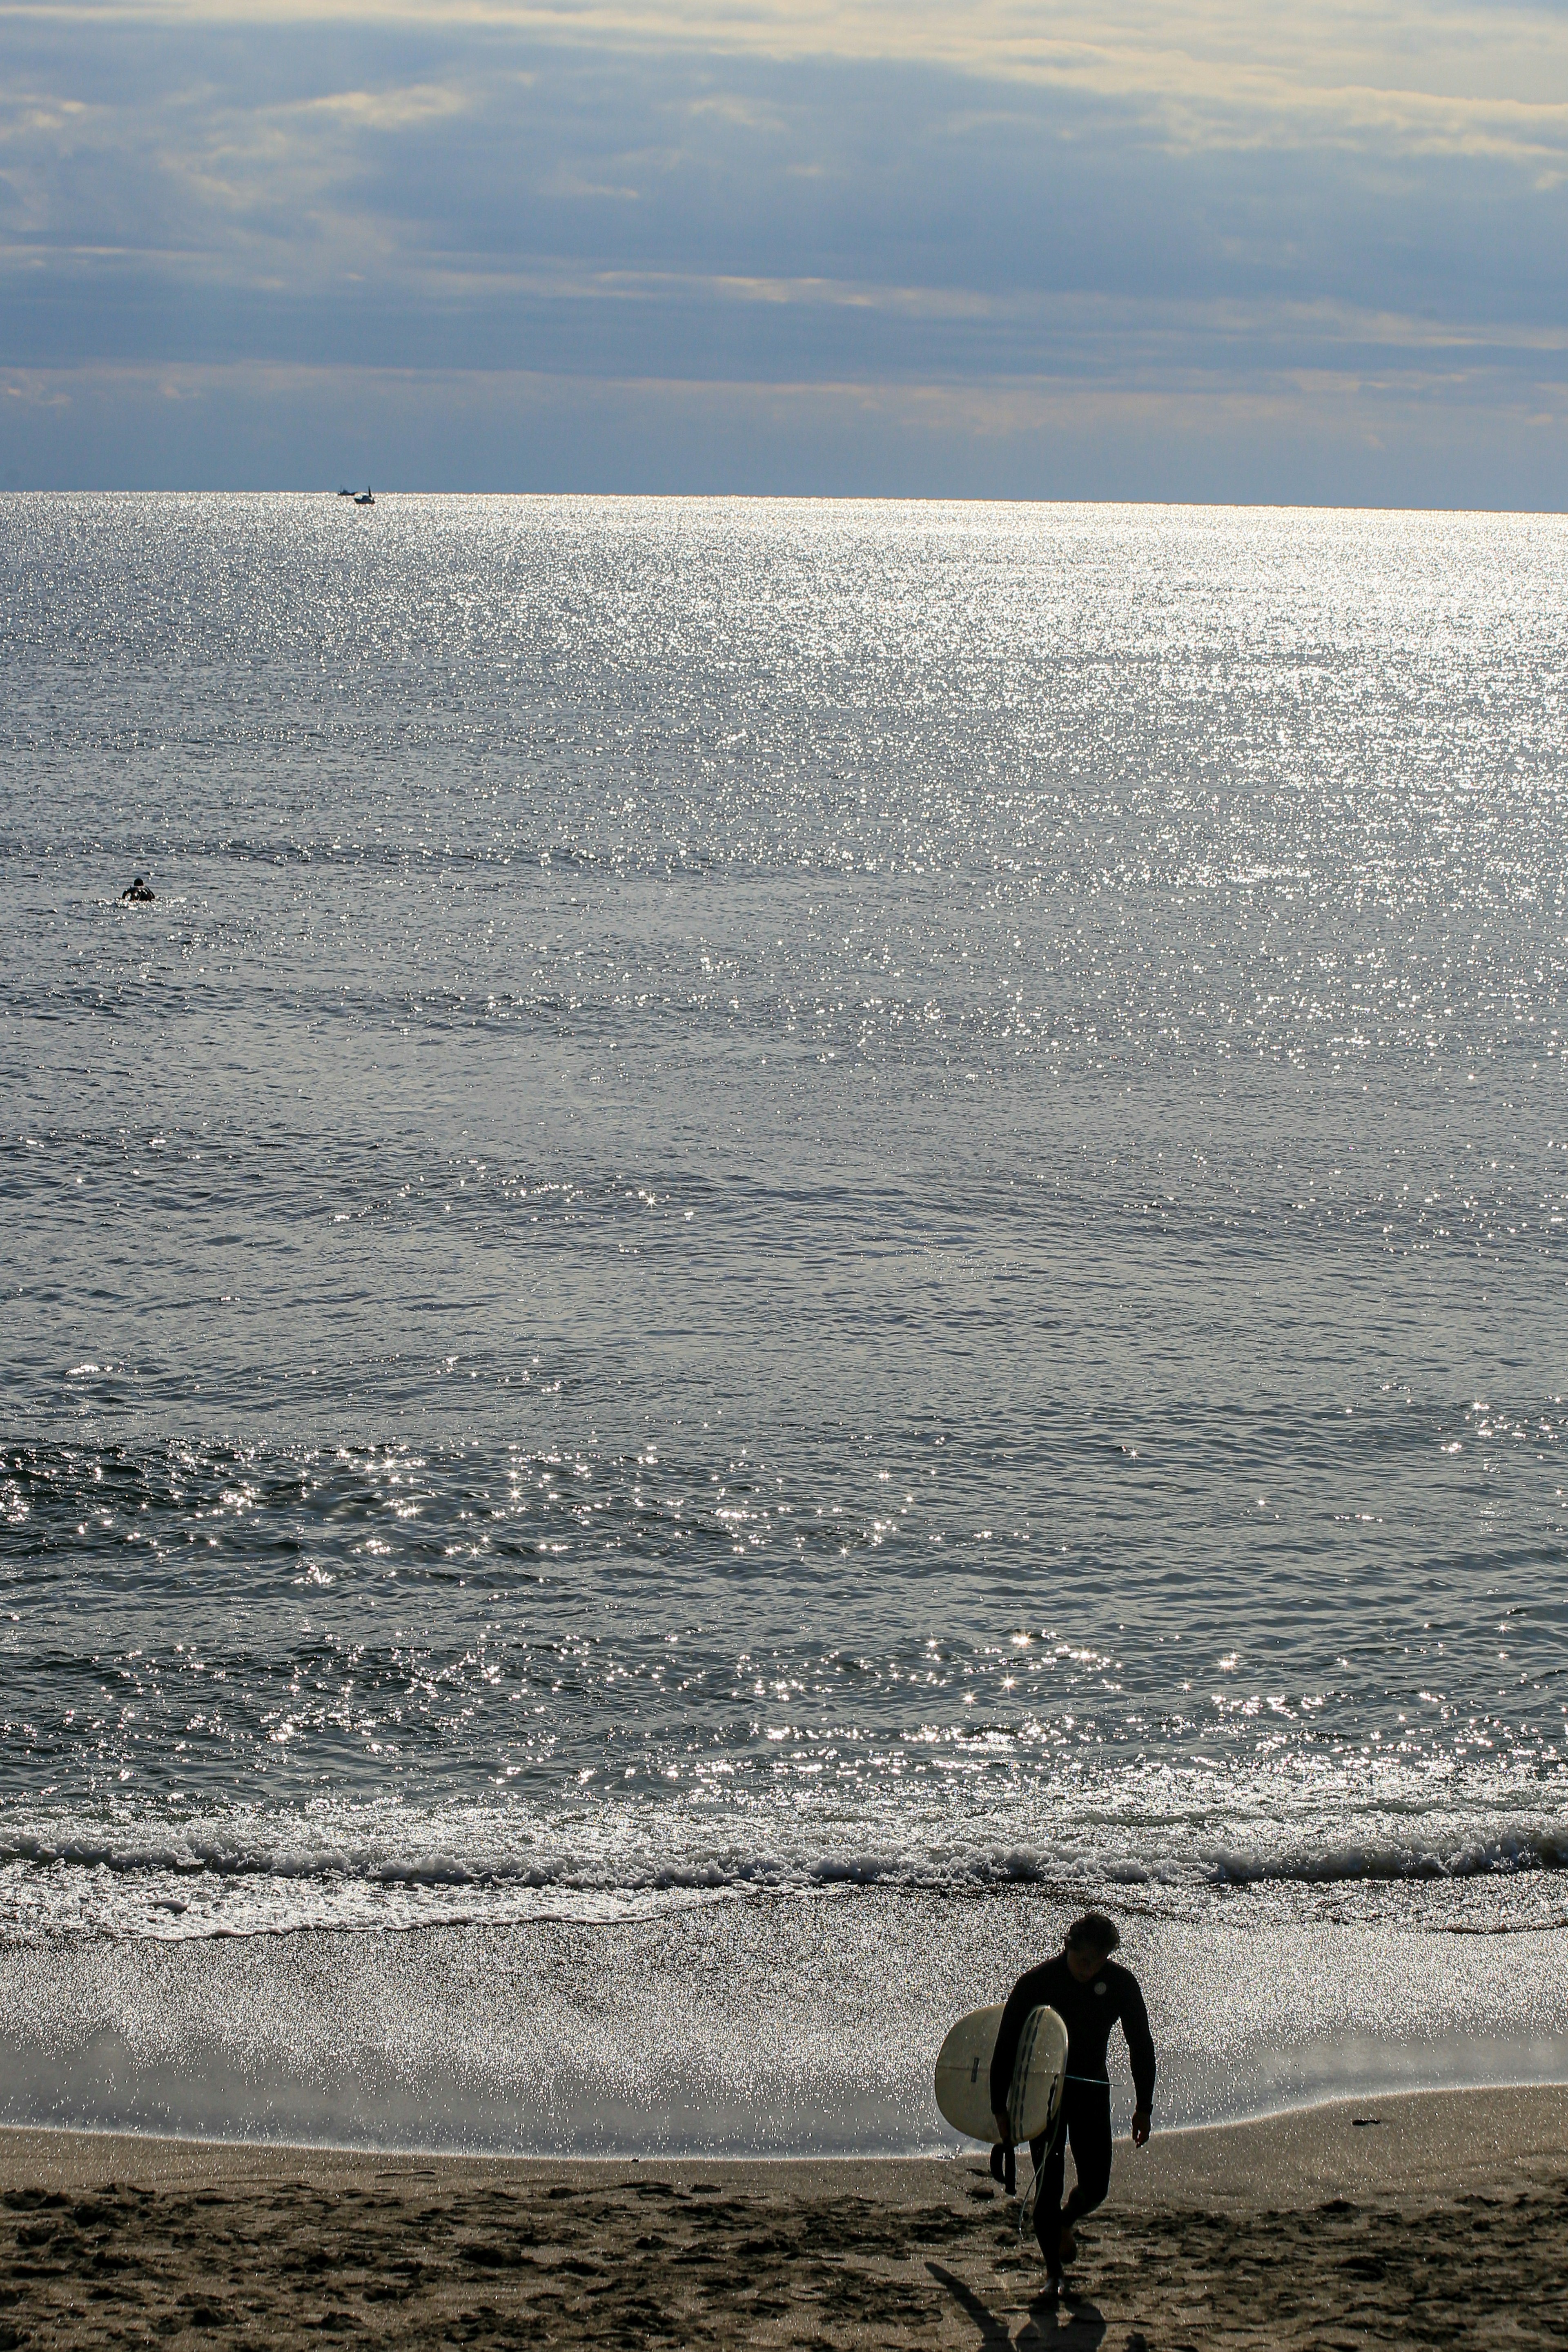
pixel 1049 2157
pixel 1090 2127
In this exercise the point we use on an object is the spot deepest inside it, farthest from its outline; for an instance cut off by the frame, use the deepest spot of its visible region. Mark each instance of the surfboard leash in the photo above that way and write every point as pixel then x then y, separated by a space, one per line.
pixel 1026 2211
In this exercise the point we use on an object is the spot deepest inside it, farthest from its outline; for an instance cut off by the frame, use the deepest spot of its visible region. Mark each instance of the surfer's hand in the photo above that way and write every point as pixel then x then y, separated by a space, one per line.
pixel 1142 2126
pixel 1003 2129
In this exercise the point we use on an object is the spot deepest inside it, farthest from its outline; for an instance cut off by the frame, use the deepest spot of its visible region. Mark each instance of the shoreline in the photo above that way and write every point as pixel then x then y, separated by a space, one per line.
pixel 1437 2218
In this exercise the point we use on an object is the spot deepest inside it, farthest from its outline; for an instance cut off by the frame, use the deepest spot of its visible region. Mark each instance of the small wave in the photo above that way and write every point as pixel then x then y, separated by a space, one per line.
pixel 1494 1855
pixel 1467 1855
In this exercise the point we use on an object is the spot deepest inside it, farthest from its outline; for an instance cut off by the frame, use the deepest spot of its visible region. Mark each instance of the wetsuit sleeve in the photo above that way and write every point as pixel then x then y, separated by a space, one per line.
pixel 1140 2042
pixel 1020 2001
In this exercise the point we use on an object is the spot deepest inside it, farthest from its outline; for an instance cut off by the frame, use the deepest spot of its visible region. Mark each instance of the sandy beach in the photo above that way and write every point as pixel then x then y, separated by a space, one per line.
pixel 1432 2219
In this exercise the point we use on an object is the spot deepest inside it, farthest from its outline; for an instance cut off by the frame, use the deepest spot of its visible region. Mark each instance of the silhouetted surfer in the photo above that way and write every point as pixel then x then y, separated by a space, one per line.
pixel 1090 1993
pixel 140 894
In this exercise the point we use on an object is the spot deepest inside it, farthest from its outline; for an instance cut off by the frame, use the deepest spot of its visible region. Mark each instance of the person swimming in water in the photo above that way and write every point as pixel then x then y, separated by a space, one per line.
pixel 1090 1994
pixel 140 894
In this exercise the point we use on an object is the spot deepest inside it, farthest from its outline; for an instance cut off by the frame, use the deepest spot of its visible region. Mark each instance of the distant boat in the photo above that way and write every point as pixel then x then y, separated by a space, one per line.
pixel 343 493
pixel 365 497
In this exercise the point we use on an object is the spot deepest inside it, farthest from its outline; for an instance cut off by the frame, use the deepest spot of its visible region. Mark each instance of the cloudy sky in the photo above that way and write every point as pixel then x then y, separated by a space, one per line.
pixel 1282 249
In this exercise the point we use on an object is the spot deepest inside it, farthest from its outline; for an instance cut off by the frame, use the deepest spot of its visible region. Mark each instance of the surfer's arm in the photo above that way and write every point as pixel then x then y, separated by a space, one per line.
pixel 1020 2001
pixel 1139 2046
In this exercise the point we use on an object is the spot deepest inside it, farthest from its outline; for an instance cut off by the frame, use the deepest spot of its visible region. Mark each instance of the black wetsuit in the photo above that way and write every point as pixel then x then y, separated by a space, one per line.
pixel 1088 2011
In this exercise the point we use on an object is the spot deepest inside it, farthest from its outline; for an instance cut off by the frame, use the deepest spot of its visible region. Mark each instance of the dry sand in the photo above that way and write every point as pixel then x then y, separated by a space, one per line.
pixel 1444 2221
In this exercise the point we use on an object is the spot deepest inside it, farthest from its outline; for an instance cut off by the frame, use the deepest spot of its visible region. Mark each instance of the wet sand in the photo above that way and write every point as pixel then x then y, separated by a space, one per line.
pixel 1437 2218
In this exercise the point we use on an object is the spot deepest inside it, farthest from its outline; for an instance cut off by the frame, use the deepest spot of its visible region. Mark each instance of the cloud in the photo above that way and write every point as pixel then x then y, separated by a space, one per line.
pixel 391 109
pixel 992 219
pixel 1349 440
pixel 1466 78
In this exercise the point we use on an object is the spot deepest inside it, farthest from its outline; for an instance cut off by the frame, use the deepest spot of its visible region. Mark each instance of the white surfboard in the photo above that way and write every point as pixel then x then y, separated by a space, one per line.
pixel 963 2074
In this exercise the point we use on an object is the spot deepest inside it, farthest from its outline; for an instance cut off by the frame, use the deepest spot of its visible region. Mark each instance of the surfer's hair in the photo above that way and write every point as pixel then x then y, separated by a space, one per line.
pixel 1094 1933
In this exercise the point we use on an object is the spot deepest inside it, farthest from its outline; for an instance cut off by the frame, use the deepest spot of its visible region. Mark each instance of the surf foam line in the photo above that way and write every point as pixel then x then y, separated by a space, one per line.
pixel 1470 1853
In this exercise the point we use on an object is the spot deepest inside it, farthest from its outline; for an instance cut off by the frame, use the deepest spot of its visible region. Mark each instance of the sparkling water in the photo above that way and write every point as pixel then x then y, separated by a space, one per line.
pixel 781 1197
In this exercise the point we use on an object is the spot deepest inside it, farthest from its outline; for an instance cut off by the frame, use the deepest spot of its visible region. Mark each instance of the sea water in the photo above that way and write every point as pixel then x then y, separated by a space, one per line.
pixel 802 1231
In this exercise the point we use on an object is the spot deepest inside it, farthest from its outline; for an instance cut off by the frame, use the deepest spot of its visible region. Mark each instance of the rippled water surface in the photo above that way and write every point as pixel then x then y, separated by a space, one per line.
pixel 778 1193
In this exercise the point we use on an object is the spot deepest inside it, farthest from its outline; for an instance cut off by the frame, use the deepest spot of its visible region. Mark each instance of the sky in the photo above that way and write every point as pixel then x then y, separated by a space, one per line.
pixel 1276 250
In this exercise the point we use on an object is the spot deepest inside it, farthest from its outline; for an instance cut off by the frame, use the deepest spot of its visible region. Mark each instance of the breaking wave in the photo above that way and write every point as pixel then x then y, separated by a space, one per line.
pixel 256 1877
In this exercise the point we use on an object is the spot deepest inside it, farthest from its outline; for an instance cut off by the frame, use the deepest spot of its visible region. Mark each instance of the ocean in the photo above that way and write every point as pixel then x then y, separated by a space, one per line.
pixel 802 1231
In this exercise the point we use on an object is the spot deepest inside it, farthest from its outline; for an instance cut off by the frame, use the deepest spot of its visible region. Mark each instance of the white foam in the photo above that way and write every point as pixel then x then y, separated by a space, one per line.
pixel 388 1866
